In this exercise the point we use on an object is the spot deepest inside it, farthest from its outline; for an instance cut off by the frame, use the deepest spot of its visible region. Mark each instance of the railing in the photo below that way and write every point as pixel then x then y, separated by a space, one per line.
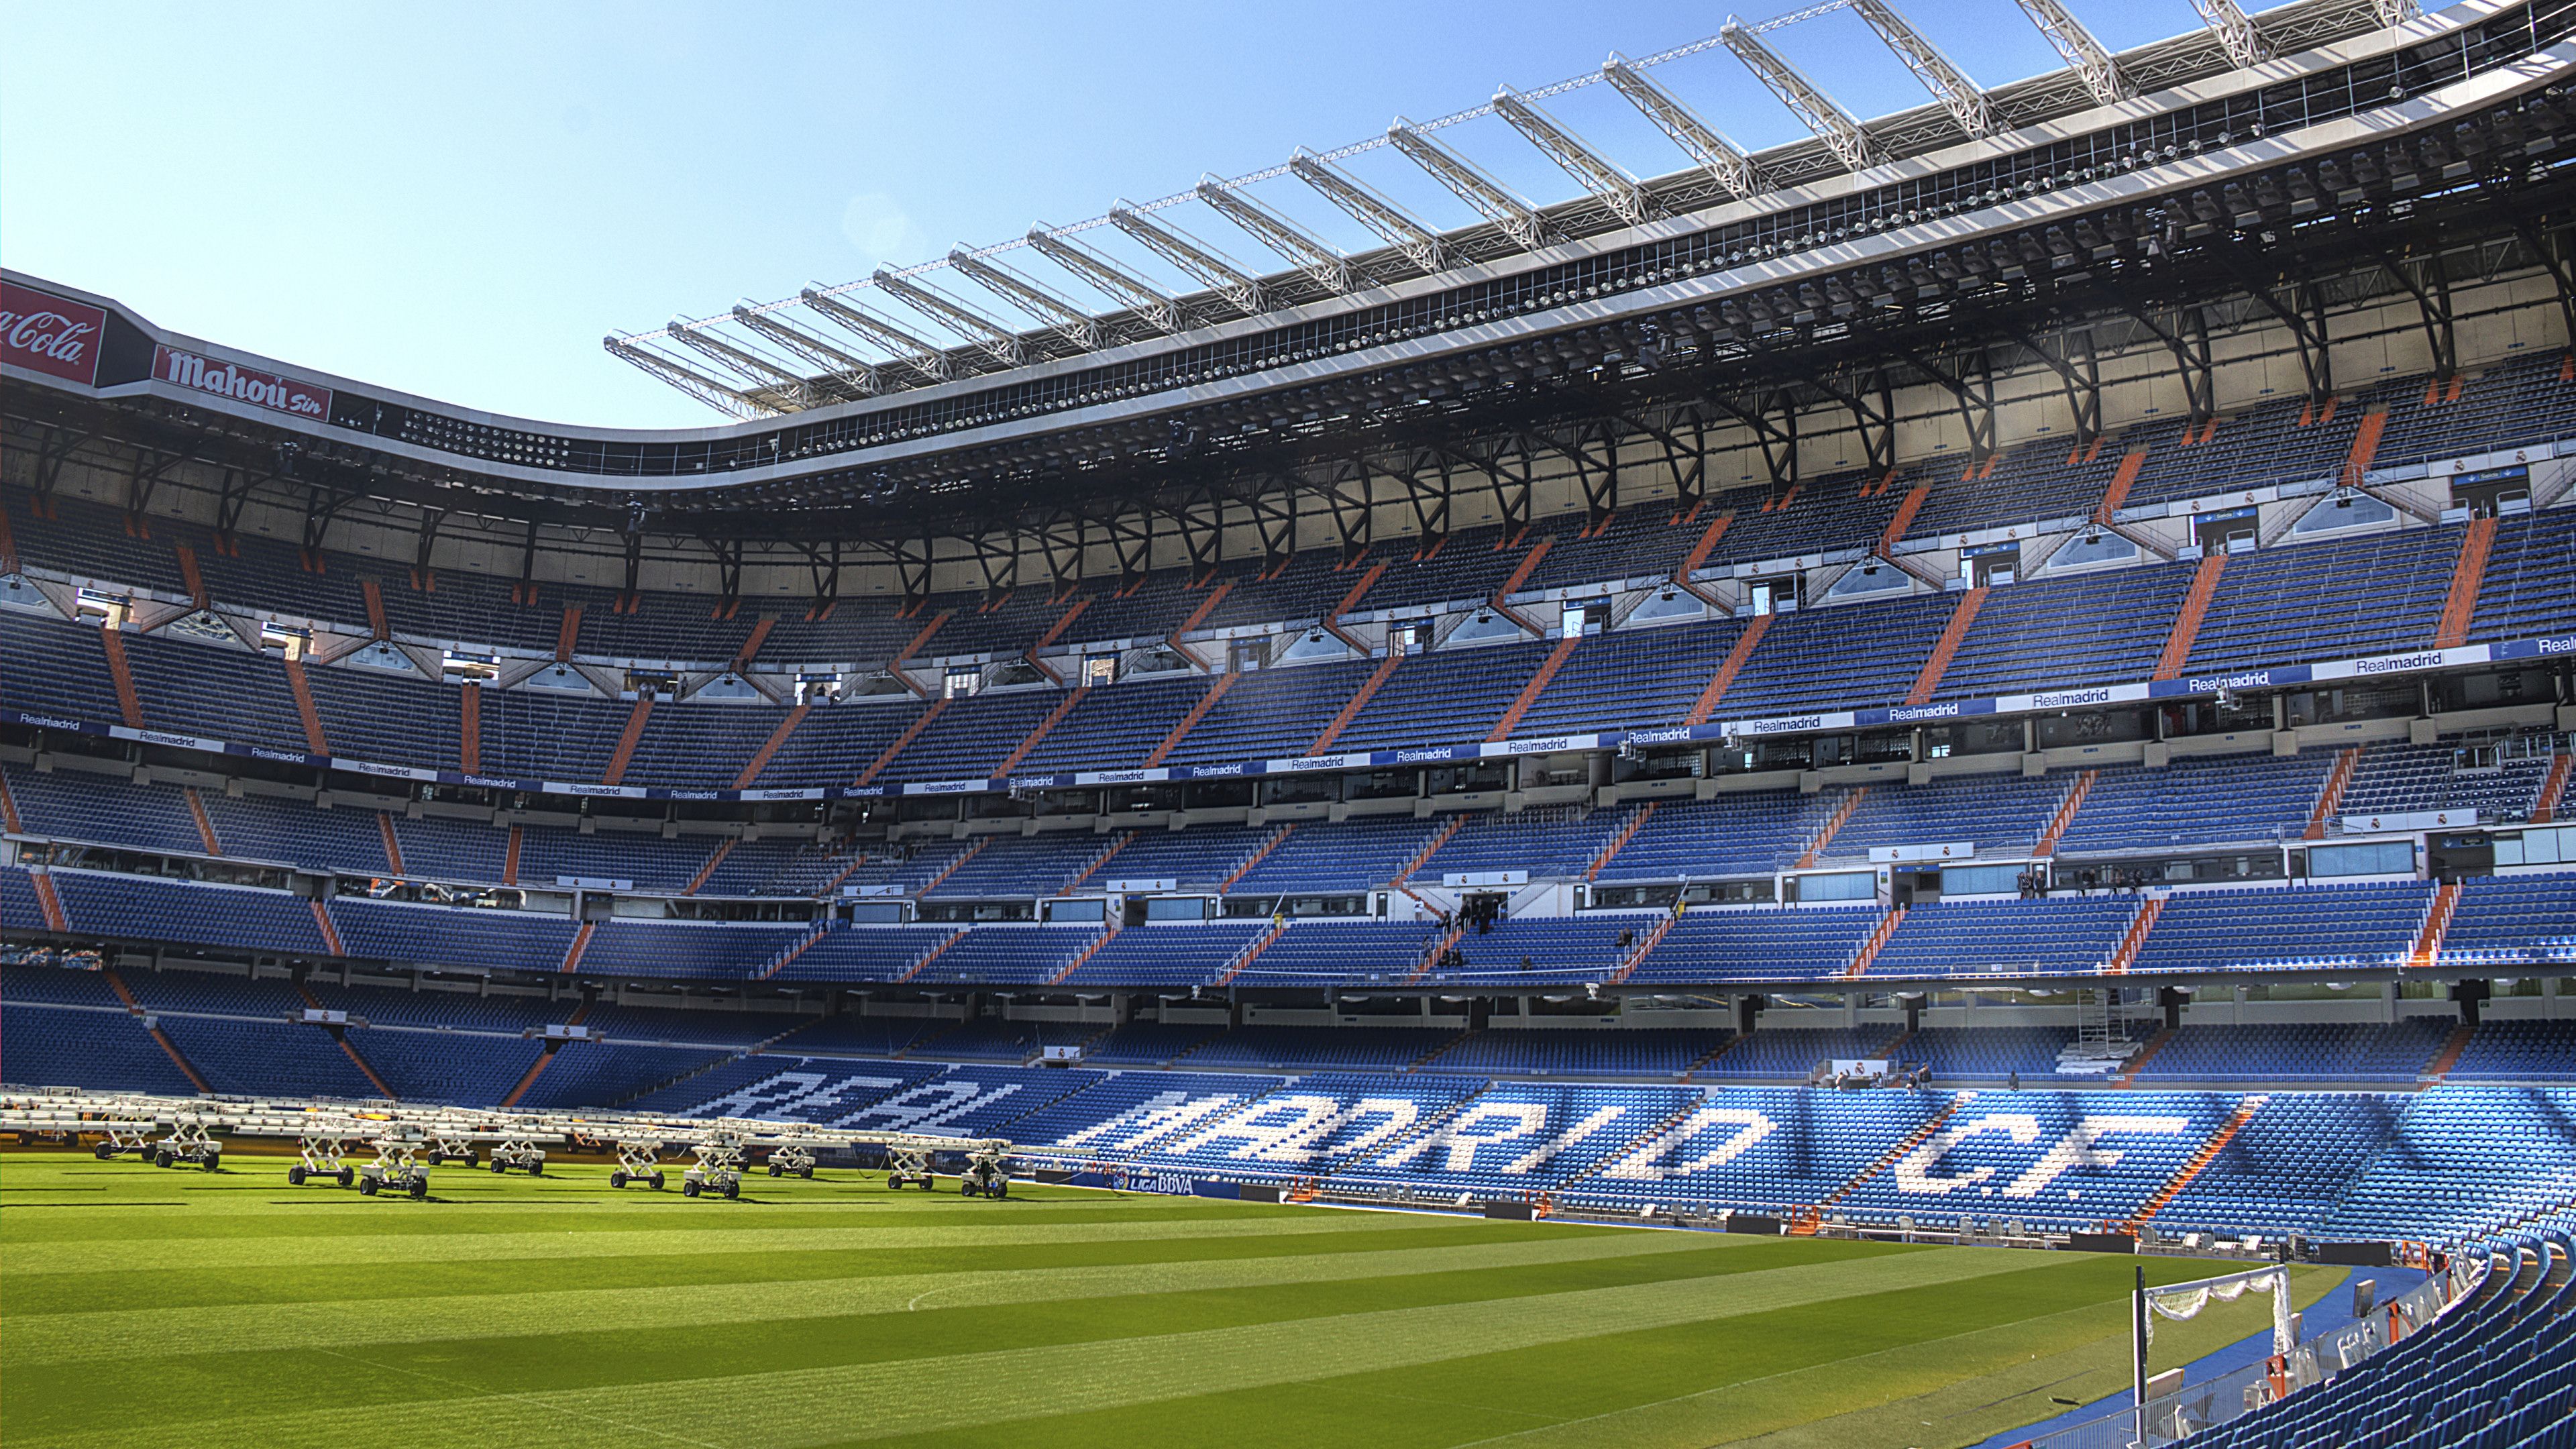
pixel 2175 1417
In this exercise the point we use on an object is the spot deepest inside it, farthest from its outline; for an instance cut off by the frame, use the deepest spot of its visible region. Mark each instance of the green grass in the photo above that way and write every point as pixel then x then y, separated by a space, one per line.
pixel 143 1307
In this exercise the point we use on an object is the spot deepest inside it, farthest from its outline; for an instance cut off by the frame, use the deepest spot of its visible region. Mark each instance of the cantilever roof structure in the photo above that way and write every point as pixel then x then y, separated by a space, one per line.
pixel 756 360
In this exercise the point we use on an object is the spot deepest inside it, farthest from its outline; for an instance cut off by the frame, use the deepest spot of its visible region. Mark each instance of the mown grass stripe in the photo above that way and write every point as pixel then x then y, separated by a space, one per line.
pixel 348 1324
pixel 288 1250
pixel 792 1408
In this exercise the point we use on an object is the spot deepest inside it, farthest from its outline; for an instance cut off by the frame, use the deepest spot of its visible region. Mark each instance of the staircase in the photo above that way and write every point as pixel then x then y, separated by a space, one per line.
pixel 205 823
pixel 1745 643
pixel 1088 951
pixel 2198 1164
pixel 128 703
pixel 715 858
pixel 1054 717
pixel 1877 942
pixel 510 859
pixel 2186 625
pixel 2449 1056
pixel 2460 607
pixel 160 1038
pixel 1097 861
pixel 1251 954
pixel 568 633
pixel 933 954
pixel 1706 1061
pixel 1439 948
pixel 9 808
pixel 921 638
pixel 1892 1156
pixel 580 947
pixel 2551 787
pixel 2135 939
pixel 329 928
pixel 1439 838
pixel 1350 600
pixel 2330 798
pixel 2365 446
pixel 349 1048
pixel 910 733
pixel 1833 826
pixel 786 958
pixel 770 747
pixel 950 868
pixel 1358 701
pixel 49 903
pixel 2065 816
pixel 1645 947
pixel 469 727
pixel 1054 632
pixel 1954 634
pixel 1529 694
pixel 1700 551
pixel 1198 711
pixel 1260 852
pixel 1627 831
pixel 2437 924
pixel 2128 1075
pixel 302 689
pixel 2117 492
pixel 626 740
pixel 1909 506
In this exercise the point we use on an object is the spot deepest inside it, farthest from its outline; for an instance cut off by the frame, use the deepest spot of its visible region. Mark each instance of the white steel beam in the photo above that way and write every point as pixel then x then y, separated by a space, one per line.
pixel 1112 279
pixel 1070 322
pixel 2234 31
pixel 1949 85
pixel 1393 224
pixel 1294 244
pixel 1817 111
pixel 2394 12
pixel 689 380
pixel 859 373
pixel 760 370
pixel 1724 161
pixel 1598 174
pixel 922 356
pixel 1469 183
pixel 1203 263
pixel 2076 45
pixel 997 340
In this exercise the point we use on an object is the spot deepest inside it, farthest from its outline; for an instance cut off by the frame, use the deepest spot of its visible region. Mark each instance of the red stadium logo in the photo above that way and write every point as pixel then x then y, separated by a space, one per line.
pixel 45 333
pixel 242 384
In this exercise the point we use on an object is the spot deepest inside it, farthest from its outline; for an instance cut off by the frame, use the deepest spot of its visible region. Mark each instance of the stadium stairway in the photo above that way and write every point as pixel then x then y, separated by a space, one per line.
pixel 2196 1165
pixel 2186 624
pixel 1715 692
pixel 1804 1224
pixel 2128 1075
pixel 770 747
pixel 1874 942
pixel 2134 939
pixel 580 945
pixel 1358 701
pixel 715 858
pixel 2460 606
pixel 160 1038
pixel 1197 711
pixel 341 1035
pixel 1953 634
pixel 910 733
pixel 626 740
pixel 1547 668
pixel 935 952
pixel 2338 780
pixel 2448 1057
pixel 2437 924
pixel 2073 801
pixel 1833 825
pixel 1065 706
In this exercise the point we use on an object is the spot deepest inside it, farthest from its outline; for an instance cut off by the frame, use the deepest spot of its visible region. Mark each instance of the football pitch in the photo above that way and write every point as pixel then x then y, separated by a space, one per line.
pixel 147 1307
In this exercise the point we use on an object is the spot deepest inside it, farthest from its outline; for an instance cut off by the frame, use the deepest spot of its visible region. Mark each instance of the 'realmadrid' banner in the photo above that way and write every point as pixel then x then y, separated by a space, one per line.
pixel 52 335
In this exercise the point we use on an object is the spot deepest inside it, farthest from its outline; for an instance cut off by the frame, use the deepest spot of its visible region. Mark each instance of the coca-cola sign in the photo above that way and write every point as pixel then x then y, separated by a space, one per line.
pixel 199 373
pixel 52 335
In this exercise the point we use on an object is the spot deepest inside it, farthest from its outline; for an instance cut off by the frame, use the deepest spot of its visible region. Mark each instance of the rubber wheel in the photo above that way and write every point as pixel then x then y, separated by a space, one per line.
pixel 1002 1188
pixel 420 1187
pixel 536 1169
pixel 689 1189
pixel 896 1183
pixel 806 1173
pixel 732 1190
pixel 214 1161
pixel 295 1177
pixel 160 1159
pixel 348 1175
pixel 965 1187
pixel 657 1182
pixel 776 1171
pixel 366 1187
pixel 104 1151
pixel 617 1178
pixel 498 1168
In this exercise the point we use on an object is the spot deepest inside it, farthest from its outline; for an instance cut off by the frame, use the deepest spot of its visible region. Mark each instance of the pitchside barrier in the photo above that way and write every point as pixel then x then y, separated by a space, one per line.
pixel 2173 1416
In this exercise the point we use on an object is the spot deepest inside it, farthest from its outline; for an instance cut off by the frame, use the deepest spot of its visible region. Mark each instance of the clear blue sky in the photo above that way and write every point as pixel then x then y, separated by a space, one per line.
pixel 460 200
